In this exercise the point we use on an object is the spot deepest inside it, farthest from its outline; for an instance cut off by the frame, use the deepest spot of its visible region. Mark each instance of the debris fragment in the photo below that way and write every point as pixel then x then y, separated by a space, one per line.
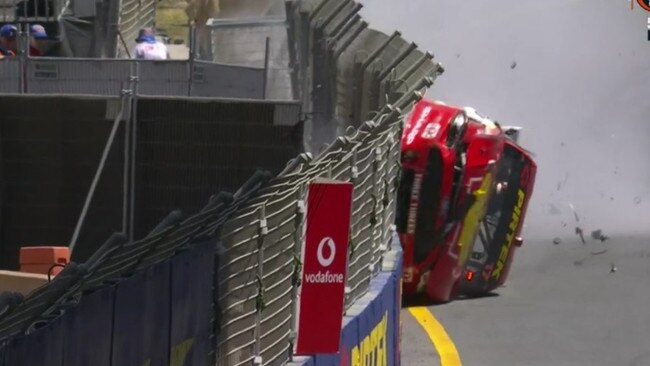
pixel 580 233
pixel 598 235
pixel 575 214
pixel 612 268
pixel 553 210
pixel 563 224
pixel 578 262
pixel 557 241
pixel 513 64
pixel 599 252
pixel 637 200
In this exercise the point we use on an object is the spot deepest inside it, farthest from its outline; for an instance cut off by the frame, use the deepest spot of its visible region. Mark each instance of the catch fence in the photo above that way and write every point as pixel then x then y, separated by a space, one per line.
pixel 355 83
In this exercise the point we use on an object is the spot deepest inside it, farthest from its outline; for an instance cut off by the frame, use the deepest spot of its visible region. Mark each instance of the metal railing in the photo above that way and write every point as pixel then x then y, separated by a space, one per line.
pixel 37 11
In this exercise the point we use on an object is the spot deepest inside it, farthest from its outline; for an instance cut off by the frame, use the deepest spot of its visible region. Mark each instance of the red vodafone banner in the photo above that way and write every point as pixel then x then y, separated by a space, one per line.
pixel 325 262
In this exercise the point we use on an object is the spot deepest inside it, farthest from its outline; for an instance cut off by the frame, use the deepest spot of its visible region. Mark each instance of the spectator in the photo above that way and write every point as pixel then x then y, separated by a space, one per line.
pixel 8 44
pixel 37 35
pixel 148 48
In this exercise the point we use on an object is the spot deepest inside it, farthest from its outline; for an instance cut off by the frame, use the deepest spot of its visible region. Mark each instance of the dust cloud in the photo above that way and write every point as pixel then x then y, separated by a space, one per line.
pixel 579 90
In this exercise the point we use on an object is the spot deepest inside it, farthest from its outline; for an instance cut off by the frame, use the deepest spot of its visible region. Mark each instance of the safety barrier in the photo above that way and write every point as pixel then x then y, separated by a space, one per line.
pixel 112 77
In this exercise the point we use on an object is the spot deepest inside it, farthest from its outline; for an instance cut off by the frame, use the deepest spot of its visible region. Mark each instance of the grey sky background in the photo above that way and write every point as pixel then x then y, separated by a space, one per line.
pixel 579 89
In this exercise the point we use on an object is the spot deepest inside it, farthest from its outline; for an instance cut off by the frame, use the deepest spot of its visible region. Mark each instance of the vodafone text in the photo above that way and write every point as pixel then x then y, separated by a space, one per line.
pixel 327 277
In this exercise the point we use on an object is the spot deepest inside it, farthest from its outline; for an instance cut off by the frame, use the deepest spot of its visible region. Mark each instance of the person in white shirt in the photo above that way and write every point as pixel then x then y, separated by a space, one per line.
pixel 148 48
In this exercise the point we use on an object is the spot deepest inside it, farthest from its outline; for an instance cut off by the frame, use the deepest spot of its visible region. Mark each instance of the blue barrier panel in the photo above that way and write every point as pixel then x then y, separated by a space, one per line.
pixel 141 318
pixel 87 330
pixel 191 305
pixel 42 347
pixel 390 305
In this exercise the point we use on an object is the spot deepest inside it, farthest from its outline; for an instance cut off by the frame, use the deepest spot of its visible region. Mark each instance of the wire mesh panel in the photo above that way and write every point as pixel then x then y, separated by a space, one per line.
pixel 244 42
pixel 10 69
pixel 51 147
pixel 77 76
pixel 188 149
pixel 227 81
pixel 163 78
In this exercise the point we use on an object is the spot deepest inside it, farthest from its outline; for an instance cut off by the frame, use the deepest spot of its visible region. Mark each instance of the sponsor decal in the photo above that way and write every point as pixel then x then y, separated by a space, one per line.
pixel 473 217
pixel 373 349
pixel 512 229
pixel 325 258
pixel 326 277
pixel 413 206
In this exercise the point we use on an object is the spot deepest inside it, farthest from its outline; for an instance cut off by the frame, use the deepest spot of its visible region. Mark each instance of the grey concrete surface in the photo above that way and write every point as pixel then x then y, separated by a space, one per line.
pixel 416 347
pixel 561 306
pixel 574 74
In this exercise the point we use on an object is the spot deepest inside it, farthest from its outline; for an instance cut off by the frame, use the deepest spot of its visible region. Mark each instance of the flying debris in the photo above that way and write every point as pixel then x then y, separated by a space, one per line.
pixel 637 200
pixel 557 241
pixel 580 233
pixel 513 64
pixel 575 214
pixel 553 210
pixel 612 268
pixel 598 235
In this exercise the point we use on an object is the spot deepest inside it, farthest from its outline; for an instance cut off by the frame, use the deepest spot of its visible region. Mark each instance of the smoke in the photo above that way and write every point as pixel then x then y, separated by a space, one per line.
pixel 573 74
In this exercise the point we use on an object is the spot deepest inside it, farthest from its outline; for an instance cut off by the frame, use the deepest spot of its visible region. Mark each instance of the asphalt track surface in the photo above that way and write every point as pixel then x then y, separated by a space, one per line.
pixel 576 75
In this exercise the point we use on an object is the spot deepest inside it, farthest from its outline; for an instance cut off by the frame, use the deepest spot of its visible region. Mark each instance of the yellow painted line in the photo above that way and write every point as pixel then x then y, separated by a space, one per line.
pixel 439 337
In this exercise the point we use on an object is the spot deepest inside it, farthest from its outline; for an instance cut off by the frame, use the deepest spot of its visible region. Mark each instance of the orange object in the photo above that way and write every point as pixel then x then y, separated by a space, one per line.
pixel 470 275
pixel 41 259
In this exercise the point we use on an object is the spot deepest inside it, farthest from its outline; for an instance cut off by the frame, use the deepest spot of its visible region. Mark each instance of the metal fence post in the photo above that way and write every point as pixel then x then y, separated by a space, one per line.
pixel 290 12
pixel 267 50
pixel 98 172
pixel 299 225
pixel 259 300
pixel 374 219
pixel 134 79
pixel 354 176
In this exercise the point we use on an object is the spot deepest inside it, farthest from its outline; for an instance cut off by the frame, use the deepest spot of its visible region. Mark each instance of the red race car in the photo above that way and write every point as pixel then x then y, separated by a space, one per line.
pixel 450 170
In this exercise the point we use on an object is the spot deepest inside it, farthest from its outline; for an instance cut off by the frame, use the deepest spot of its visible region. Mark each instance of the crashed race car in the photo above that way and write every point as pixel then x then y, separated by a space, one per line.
pixel 459 172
